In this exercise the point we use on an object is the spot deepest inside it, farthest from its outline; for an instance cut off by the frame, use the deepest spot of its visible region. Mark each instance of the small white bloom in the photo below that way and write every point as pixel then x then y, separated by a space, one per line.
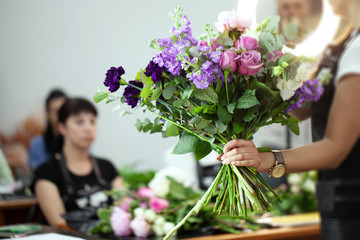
pixel 287 88
pixel 159 221
pixel 158 230
pixel 139 212
pixel 160 184
pixel 150 215
pixel 294 179
pixel 168 226
pixel 324 76
pixel 309 185
pixel 295 189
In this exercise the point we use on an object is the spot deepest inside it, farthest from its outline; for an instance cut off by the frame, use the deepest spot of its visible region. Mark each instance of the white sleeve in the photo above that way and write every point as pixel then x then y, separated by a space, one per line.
pixel 350 60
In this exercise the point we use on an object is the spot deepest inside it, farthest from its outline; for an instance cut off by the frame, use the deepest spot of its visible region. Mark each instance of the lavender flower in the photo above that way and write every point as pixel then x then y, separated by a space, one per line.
pixel 311 91
pixel 203 78
pixel 113 77
pixel 154 70
pixel 130 93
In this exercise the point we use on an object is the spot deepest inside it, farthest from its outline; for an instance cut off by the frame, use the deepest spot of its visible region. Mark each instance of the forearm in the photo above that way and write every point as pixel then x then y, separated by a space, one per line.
pixel 321 155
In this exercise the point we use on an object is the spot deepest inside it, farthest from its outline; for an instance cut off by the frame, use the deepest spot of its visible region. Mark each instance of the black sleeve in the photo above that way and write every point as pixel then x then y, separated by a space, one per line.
pixel 108 170
pixel 48 171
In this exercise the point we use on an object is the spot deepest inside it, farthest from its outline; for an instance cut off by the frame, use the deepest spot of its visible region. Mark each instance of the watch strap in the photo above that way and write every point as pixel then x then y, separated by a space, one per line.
pixel 279 159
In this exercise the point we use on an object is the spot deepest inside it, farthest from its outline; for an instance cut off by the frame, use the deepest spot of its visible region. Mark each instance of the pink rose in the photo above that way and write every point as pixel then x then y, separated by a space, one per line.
pixel 277 54
pixel 140 227
pixel 125 204
pixel 228 58
pixel 248 63
pixel 120 222
pixel 248 43
pixel 145 192
pixel 158 204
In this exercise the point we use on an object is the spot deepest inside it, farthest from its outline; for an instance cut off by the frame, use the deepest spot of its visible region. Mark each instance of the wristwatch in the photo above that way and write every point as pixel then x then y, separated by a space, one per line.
pixel 279 168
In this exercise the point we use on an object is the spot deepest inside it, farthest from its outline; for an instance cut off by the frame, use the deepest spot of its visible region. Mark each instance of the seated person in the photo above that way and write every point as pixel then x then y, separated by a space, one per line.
pixel 42 147
pixel 74 180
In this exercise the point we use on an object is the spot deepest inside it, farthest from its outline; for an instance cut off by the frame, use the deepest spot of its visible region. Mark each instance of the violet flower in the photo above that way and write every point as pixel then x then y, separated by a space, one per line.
pixel 130 93
pixel 113 77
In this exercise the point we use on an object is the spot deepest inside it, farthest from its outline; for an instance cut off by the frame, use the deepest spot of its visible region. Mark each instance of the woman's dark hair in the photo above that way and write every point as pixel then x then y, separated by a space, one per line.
pixel 72 106
pixel 49 137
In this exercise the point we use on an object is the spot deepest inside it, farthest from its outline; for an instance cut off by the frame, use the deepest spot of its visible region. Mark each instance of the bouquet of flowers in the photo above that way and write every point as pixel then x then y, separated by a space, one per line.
pixel 224 86
pixel 151 204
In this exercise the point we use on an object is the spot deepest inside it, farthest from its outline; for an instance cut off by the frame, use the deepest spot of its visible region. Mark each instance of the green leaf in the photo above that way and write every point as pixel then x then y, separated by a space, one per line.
pixel 185 144
pixel 220 126
pixel 210 109
pixel 172 131
pixel 177 103
pixel 168 92
pixel 210 129
pixel 231 107
pixel 186 94
pixel 238 127
pixel 224 115
pixel 291 31
pixel 202 124
pixel 145 92
pixel 104 214
pixel 156 128
pixel 138 125
pixel 99 96
pixel 156 94
pixel 247 100
pixel 249 116
pixel 195 120
pixel 264 149
pixel 176 189
pixel 293 124
pixel 207 94
pixel 267 41
pixel 202 149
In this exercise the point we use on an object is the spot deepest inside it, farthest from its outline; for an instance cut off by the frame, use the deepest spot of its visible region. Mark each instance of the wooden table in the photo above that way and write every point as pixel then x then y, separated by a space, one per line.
pixel 310 232
pixel 15 211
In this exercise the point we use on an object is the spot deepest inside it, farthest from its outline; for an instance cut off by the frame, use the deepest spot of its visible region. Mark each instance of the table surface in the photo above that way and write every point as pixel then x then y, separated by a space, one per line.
pixel 17 204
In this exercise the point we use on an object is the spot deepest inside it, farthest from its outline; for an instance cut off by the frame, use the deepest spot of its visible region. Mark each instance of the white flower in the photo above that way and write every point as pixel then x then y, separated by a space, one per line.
pixel 158 226
pixel 324 76
pixel 160 184
pixel 232 20
pixel 159 221
pixel 309 185
pixel 302 72
pixel 168 226
pixel 287 88
pixel 150 215
pixel 295 189
pixel 294 179
pixel 139 212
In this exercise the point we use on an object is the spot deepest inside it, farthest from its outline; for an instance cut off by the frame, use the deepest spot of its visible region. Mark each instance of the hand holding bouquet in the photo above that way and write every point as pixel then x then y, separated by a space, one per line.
pixel 224 86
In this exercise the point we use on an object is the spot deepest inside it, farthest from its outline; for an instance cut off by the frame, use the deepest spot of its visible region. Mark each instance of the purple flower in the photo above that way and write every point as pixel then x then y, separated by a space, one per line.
pixel 113 77
pixel 311 91
pixel 248 63
pixel 248 43
pixel 154 70
pixel 164 42
pixel 130 93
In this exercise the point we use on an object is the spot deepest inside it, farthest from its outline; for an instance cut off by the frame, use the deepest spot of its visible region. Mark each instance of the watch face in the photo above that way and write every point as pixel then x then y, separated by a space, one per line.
pixel 278 171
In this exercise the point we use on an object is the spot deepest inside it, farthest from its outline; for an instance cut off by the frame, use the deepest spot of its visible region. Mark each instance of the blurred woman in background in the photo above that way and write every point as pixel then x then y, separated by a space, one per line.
pixel 74 180
pixel 43 147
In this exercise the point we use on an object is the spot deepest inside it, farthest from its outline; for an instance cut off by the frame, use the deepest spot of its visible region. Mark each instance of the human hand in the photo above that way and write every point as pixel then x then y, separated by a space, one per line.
pixel 240 152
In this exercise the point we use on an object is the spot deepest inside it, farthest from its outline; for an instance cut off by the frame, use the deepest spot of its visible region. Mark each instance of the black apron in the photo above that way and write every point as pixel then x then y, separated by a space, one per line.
pixel 338 191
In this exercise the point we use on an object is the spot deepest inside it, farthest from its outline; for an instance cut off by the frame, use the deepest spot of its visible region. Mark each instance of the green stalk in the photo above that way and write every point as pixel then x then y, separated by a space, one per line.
pixel 226 74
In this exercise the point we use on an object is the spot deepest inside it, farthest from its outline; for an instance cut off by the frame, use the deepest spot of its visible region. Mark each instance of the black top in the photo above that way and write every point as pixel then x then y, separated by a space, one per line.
pixel 87 189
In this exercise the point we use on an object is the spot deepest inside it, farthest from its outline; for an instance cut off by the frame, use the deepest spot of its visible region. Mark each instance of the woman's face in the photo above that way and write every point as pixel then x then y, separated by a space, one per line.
pixel 79 130
pixel 52 111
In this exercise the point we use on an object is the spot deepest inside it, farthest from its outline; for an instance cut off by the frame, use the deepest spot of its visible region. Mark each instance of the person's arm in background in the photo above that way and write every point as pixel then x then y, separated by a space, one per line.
pixel 342 132
pixel 118 183
pixel 301 113
pixel 36 153
pixel 50 202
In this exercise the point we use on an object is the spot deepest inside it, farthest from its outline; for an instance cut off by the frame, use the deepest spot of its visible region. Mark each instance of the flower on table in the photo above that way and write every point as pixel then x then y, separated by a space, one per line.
pixel 120 222
pixel 158 204
pixel 145 192
pixel 140 227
